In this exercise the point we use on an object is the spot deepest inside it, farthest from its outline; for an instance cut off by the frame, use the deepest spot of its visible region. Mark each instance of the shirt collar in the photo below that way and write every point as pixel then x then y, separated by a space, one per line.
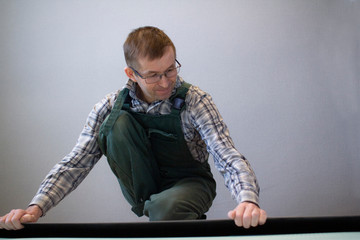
pixel 157 107
pixel 131 85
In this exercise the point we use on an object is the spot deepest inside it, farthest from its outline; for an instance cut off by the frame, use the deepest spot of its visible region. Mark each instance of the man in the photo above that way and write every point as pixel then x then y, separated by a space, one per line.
pixel 157 134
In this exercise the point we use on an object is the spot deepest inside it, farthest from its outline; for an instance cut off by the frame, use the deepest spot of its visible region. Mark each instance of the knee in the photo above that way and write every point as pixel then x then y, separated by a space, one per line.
pixel 122 123
pixel 165 208
pixel 126 128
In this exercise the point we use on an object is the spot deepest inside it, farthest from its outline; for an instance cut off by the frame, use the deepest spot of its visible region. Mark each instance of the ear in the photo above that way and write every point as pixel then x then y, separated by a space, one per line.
pixel 130 73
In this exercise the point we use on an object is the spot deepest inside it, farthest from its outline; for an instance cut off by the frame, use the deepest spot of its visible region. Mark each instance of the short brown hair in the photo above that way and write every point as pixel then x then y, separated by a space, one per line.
pixel 149 42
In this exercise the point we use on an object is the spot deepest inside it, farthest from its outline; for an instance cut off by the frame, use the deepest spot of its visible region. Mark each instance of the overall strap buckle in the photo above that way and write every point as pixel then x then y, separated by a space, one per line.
pixel 178 100
pixel 178 103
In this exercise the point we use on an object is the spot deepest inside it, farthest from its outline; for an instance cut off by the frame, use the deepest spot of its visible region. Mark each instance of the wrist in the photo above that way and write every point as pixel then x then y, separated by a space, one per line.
pixel 35 210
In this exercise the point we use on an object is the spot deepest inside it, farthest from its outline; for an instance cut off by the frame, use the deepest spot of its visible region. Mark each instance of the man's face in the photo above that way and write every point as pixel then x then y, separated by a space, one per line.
pixel 162 89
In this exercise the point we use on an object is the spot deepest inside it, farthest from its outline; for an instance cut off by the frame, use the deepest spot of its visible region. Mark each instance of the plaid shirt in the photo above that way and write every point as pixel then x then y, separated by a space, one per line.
pixel 204 131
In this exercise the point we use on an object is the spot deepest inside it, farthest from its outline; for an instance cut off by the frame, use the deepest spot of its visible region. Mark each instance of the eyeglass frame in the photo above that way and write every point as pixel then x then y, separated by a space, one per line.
pixel 160 75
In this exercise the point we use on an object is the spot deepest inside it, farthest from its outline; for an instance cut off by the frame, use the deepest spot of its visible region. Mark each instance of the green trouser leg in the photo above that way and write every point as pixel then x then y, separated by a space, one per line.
pixel 131 159
pixel 127 151
pixel 188 199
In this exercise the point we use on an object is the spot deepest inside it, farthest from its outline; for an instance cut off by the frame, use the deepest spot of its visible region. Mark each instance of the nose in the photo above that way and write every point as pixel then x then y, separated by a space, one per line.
pixel 164 81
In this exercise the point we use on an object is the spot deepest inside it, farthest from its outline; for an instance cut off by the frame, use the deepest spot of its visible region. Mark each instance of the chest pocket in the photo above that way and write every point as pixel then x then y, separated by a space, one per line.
pixel 161 135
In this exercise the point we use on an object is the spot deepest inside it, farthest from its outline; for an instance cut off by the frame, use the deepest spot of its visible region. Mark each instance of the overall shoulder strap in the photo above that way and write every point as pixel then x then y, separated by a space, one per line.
pixel 178 100
pixel 111 118
pixel 121 99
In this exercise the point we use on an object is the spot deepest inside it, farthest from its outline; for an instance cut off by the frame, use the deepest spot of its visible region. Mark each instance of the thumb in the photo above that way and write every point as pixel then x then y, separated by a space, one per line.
pixel 28 218
pixel 231 214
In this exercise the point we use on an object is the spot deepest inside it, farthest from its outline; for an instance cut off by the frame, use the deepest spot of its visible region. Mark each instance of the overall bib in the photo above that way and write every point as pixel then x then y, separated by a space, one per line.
pixel 154 167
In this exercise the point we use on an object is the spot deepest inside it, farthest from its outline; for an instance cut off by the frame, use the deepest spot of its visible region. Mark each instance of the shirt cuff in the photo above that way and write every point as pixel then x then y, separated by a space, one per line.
pixel 248 196
pixel 43 202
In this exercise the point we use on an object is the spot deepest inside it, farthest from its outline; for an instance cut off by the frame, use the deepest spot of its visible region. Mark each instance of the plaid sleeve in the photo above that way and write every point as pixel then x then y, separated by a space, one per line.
pixel 239 177
pixel 66 175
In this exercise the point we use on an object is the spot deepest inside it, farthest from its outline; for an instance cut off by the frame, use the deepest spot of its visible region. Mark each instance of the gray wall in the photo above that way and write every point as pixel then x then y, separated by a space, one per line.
pixel 284 74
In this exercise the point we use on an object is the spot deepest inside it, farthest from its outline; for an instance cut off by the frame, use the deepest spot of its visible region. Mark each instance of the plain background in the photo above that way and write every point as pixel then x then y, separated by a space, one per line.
pixel 284 74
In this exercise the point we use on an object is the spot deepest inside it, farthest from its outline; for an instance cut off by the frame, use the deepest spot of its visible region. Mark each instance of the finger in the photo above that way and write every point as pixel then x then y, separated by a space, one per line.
pixel 8 225
pixel 263 217
pixel 246 218
pixel 231 214
pixel 27 218
pixel 16 219
pixel 239 213
pixel 2 222
pixel 255 217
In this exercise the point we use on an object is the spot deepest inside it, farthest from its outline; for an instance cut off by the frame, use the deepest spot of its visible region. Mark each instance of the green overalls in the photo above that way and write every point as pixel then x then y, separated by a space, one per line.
pixel 150 158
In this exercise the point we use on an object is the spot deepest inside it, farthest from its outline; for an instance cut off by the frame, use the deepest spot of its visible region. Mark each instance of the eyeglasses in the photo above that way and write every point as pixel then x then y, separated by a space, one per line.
pixel 170 73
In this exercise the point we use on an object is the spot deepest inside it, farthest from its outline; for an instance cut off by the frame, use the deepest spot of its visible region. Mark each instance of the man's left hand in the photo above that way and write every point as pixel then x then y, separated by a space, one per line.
pixel 247 215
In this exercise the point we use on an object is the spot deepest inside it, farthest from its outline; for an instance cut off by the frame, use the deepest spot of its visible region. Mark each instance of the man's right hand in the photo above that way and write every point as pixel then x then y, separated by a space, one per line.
pixel 14 219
